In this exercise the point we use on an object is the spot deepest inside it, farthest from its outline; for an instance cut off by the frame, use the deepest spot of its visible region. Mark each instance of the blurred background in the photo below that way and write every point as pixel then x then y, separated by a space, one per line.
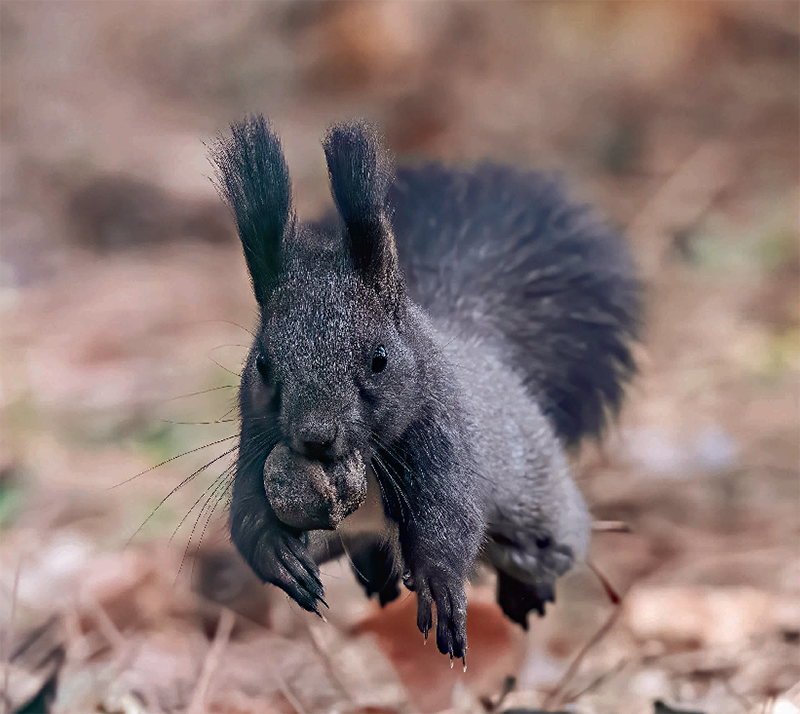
pixel 126 307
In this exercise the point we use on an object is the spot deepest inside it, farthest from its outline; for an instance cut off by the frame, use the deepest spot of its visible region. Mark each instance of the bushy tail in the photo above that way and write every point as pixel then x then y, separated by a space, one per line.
pixel 506 252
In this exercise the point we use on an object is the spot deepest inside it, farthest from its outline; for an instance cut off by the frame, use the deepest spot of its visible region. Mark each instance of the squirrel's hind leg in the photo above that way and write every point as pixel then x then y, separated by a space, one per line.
pixel 372 559
pixel 517 599
pixel 375 567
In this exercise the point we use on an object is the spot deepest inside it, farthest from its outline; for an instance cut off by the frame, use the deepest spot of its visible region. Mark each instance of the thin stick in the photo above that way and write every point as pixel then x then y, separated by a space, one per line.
pixel 322 652
pixel 294 702
pixel 555 697
pixel 7 643
pixel 615 670
pixel 611 527
pixel 221 637
pixel 105 624
pixel 609 589
pixel 744 702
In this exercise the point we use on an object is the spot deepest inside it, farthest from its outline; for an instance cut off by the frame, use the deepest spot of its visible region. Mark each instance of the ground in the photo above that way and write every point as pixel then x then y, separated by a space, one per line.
pixel 126 309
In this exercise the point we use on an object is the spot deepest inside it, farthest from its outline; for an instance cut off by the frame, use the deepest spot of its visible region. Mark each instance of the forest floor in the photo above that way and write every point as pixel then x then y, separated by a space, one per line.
pixel 126 308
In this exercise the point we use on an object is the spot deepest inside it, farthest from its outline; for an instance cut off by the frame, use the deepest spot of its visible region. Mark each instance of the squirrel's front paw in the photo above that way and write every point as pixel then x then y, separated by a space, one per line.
pixel 281 558
pixel 451 611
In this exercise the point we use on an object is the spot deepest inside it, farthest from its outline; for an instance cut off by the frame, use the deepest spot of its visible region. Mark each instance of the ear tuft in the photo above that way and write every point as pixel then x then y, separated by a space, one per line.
pixel 253 179
pixel 361 173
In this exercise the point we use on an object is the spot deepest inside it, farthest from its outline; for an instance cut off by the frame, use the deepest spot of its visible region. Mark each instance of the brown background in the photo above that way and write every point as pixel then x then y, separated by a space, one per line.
pixel 121 281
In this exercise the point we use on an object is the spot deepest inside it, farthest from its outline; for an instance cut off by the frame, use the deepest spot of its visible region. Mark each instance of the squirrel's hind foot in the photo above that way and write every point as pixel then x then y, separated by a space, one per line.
pixel 517 599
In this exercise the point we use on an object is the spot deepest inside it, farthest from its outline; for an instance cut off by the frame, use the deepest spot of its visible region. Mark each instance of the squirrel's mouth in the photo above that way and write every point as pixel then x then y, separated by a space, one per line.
pixel 308 494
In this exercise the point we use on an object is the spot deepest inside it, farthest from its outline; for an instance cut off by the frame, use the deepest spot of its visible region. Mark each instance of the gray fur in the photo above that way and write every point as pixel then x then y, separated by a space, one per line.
pixel 468 462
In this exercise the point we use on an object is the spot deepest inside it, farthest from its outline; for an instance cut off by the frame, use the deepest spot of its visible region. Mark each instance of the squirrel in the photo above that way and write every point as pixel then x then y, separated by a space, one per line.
pixel 431 350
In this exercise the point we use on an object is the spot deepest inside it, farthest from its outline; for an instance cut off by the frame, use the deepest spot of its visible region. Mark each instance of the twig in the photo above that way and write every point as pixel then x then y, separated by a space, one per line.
pixel 682 199
pixel 294 702
pixel 793 691
pixel 611 527
pixel 743 701
pixel 75 637
pixel 7 638
pixel 615 670
pixel 609 589
pixel 325 659
pixel 221 637
pixel 105 624
pixel 557 694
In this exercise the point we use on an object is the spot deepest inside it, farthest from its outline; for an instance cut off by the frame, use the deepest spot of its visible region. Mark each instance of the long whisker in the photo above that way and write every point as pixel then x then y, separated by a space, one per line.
pixel 198 423
pixel 346 551
pixel 177 488
pixel 420 483
pixel 173 458
pixel 219 489
pixel 228 344
pixel 395 482
pixel 216 484
pixel 229 371
pixel 194 505
pixel 220 492
pixel 202 391
pixel 235 324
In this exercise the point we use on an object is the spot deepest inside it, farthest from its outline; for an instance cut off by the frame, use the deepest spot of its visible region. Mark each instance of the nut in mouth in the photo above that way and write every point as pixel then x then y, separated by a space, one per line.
pixel 309 495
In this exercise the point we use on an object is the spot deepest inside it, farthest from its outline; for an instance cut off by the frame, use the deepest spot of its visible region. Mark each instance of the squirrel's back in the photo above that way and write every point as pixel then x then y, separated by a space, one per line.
pixel 506 255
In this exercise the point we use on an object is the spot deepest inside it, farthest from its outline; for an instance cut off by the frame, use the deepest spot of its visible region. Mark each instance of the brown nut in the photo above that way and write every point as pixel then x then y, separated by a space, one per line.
pixel 307 495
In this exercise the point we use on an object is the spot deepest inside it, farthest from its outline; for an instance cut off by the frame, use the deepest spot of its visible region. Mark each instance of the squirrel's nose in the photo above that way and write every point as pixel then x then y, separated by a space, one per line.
pixel 316 439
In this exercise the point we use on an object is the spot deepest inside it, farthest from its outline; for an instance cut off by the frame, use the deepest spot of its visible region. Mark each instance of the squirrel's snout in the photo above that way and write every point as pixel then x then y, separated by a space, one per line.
pixel 318 439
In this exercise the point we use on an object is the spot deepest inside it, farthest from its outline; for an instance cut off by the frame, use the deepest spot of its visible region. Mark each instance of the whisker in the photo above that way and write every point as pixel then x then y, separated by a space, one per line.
pixel 194 505
pixel 418 481
pixel 395 480
pixel 230 411
pixel 177 488
pixel 392 476
pixel 229 344
pixel 229 371
pixel 216 484
pixel 225 484
pixel 198 423
pixel 229 322
pixel 173 458
pixel 350 558
pixel 203 391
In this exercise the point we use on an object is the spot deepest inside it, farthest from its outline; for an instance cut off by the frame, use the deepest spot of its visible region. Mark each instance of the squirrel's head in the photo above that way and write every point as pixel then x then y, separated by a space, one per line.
pixel 331 373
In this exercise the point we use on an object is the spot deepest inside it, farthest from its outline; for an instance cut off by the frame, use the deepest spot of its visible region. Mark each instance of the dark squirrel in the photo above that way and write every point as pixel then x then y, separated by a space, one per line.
pixel 428 351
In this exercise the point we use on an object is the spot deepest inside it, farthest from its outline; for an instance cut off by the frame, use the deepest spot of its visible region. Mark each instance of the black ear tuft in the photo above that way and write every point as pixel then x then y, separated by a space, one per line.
pixel 361 173
pixel 252 178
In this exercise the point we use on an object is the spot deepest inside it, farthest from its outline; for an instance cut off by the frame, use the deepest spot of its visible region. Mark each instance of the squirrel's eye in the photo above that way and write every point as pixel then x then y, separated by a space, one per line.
pixel 379 359
pixel 262 366
pixel 543 542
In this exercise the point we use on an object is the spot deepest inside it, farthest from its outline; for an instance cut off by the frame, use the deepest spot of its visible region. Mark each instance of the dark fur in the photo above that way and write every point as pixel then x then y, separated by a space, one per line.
pixel 533 307
pixel 568 305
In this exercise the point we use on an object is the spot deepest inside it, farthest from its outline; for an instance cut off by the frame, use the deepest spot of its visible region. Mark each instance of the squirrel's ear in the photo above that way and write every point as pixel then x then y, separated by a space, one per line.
pixel 252 178
pixel 361 173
